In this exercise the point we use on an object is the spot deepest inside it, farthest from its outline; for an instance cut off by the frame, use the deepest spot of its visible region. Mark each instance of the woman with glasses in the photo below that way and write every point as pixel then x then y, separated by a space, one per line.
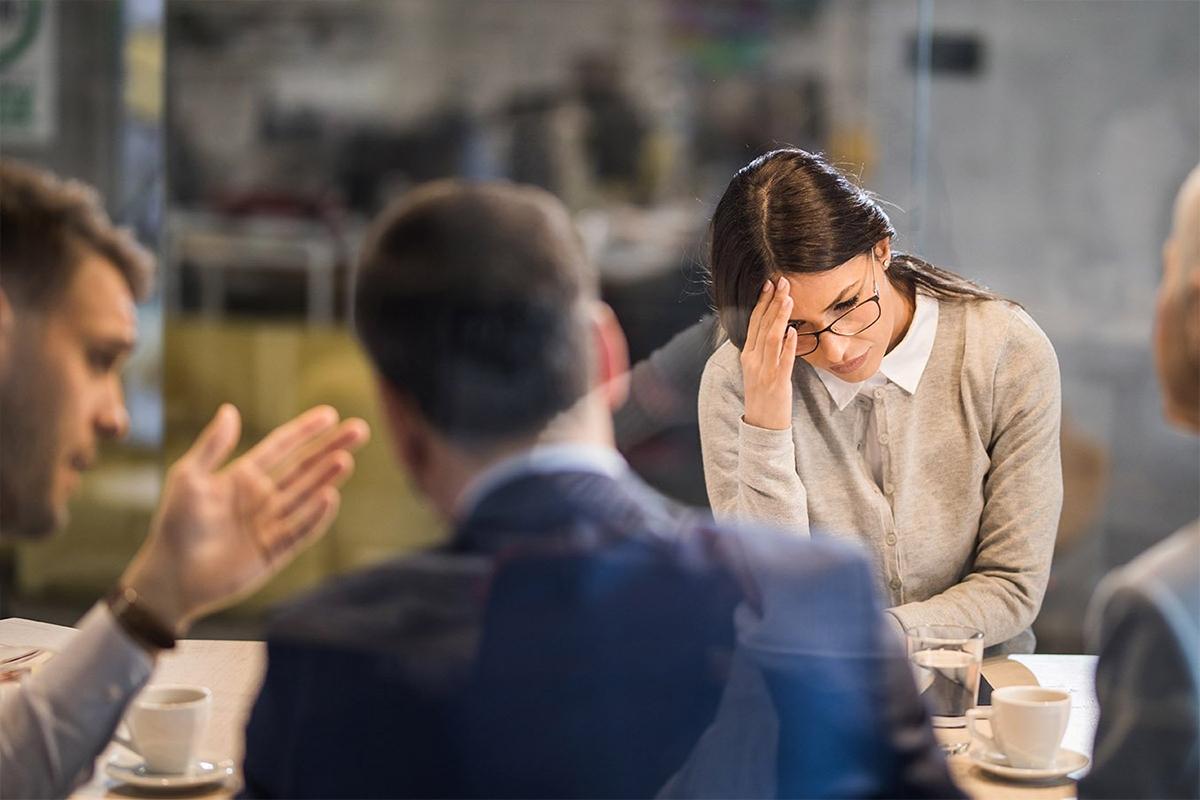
pixel 867 394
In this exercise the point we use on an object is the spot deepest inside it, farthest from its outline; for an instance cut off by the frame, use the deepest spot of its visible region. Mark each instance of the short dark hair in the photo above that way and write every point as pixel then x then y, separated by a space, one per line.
pixel 470 300
pixel 47 225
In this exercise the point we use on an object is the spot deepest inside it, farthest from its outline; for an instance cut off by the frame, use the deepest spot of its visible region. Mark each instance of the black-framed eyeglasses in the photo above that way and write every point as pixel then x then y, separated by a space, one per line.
pixel 852 323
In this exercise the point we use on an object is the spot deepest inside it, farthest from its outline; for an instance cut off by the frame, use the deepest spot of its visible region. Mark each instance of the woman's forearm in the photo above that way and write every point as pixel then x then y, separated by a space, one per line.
pixel 750 472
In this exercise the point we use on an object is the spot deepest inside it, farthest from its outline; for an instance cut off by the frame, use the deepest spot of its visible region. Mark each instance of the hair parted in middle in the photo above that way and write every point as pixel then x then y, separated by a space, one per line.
pixel 792 212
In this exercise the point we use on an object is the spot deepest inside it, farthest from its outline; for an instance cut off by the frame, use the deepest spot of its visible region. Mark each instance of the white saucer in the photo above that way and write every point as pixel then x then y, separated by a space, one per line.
pixel 1066 762
pixel 202 773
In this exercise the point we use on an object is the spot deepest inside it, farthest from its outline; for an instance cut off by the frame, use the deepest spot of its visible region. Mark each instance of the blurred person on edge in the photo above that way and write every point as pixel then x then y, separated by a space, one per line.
pixel 1145 616
pixel 68 283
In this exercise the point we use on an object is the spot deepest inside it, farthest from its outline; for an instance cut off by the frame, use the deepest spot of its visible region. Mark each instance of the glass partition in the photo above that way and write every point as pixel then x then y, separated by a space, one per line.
pixel 1031 146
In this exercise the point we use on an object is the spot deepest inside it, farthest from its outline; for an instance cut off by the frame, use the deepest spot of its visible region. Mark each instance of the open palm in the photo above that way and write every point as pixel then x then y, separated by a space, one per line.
pixel 223 529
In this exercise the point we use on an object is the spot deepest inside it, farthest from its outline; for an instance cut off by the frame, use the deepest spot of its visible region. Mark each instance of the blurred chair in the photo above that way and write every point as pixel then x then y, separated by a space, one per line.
pixel 270 371
pixel 1085 485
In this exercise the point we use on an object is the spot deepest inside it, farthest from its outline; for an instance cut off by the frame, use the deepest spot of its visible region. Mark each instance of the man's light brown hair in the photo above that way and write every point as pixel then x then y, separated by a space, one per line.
pixel 47 225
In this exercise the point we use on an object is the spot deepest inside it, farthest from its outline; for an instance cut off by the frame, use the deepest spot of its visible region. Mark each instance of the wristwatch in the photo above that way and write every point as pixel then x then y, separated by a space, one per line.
pixel 138 621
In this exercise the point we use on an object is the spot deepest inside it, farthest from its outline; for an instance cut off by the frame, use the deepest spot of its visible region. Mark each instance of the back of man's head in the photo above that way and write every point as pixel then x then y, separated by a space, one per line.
pixel 46 225
pixel 1177 329
pixel 472 302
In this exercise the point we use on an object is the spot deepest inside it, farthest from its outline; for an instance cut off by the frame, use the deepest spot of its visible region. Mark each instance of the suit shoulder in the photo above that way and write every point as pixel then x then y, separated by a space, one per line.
pixel 1163 581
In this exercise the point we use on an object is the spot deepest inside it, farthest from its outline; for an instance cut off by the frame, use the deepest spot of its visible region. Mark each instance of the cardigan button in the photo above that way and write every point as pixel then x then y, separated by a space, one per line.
pixel 879 394
pixel 895 583
pixel 891 540
pixel 883 438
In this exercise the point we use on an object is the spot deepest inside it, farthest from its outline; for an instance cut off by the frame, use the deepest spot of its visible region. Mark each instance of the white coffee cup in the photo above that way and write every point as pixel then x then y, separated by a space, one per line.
pixel 167 723
pixel 1028 723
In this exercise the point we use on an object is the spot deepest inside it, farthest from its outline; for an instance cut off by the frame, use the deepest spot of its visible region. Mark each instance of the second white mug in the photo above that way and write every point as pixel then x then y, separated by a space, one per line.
pixel 1028 723
pixel 167 723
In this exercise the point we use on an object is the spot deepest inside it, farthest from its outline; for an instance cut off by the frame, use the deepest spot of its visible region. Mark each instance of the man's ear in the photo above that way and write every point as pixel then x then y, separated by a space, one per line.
pixel 611 353
pixel 406 430
pixel 1180 284
pixel 1191 311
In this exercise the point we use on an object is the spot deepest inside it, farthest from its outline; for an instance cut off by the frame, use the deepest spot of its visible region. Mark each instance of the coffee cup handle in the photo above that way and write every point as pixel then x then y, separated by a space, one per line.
pixel 980 713
pixel 127 743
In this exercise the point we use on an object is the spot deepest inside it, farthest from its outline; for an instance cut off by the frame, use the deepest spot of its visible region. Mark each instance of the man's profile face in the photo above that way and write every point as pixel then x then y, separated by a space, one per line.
pixel 60 394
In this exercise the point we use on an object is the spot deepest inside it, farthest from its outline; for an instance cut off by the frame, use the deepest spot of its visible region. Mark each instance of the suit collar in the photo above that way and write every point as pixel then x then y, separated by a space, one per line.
pixel 543 459
pixel 576 503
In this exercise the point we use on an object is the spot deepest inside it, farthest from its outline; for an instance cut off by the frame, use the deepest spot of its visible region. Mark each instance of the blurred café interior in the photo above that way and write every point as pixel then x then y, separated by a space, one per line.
pixel 1034 147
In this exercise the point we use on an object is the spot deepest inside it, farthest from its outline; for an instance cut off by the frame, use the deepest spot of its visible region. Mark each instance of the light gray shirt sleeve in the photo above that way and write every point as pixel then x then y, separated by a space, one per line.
pixel 750 472
pixel 55 723
pixel 663 387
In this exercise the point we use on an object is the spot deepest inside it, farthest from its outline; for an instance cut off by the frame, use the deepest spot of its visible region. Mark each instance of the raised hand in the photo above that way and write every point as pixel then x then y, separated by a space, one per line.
pixel 767 359
pixel 222 530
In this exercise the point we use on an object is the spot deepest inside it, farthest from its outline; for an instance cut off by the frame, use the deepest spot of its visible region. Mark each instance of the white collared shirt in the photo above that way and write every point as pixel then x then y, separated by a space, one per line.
pixel 903 366
pixel 56 722
pixel 541 459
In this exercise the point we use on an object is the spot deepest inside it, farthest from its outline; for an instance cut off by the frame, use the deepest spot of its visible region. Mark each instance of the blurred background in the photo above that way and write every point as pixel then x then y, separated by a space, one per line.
pixel 1031 146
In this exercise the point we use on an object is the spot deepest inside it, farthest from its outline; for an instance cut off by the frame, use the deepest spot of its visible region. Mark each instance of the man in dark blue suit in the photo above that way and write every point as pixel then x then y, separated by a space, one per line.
pixel 576 635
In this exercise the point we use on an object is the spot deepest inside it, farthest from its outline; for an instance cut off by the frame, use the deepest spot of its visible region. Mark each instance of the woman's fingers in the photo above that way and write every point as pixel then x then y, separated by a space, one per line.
pixel 768 358
pixel 776 325
pixel 756 316
pixel 787 358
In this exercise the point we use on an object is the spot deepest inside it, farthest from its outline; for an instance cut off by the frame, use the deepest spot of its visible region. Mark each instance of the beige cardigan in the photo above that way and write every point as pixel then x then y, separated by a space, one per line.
pixel 963 530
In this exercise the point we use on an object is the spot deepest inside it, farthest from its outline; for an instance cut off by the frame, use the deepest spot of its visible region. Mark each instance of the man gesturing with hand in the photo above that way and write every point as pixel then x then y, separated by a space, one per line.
pixel 223 530
pixel 68 281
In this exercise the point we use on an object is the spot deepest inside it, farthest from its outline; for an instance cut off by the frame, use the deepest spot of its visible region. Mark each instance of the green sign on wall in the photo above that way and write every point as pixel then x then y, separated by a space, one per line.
pixel 28 79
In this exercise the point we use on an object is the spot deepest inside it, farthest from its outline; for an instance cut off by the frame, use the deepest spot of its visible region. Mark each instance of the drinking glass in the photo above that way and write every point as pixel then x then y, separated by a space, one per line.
pixel 945 661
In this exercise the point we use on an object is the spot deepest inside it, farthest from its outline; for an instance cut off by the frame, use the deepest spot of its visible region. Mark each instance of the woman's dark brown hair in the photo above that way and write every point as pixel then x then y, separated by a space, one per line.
pixel 789 212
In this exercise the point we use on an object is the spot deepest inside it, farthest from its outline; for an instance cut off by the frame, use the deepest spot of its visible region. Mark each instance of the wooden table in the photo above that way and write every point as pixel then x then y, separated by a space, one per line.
pixel 233 670
pixel 1077 675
